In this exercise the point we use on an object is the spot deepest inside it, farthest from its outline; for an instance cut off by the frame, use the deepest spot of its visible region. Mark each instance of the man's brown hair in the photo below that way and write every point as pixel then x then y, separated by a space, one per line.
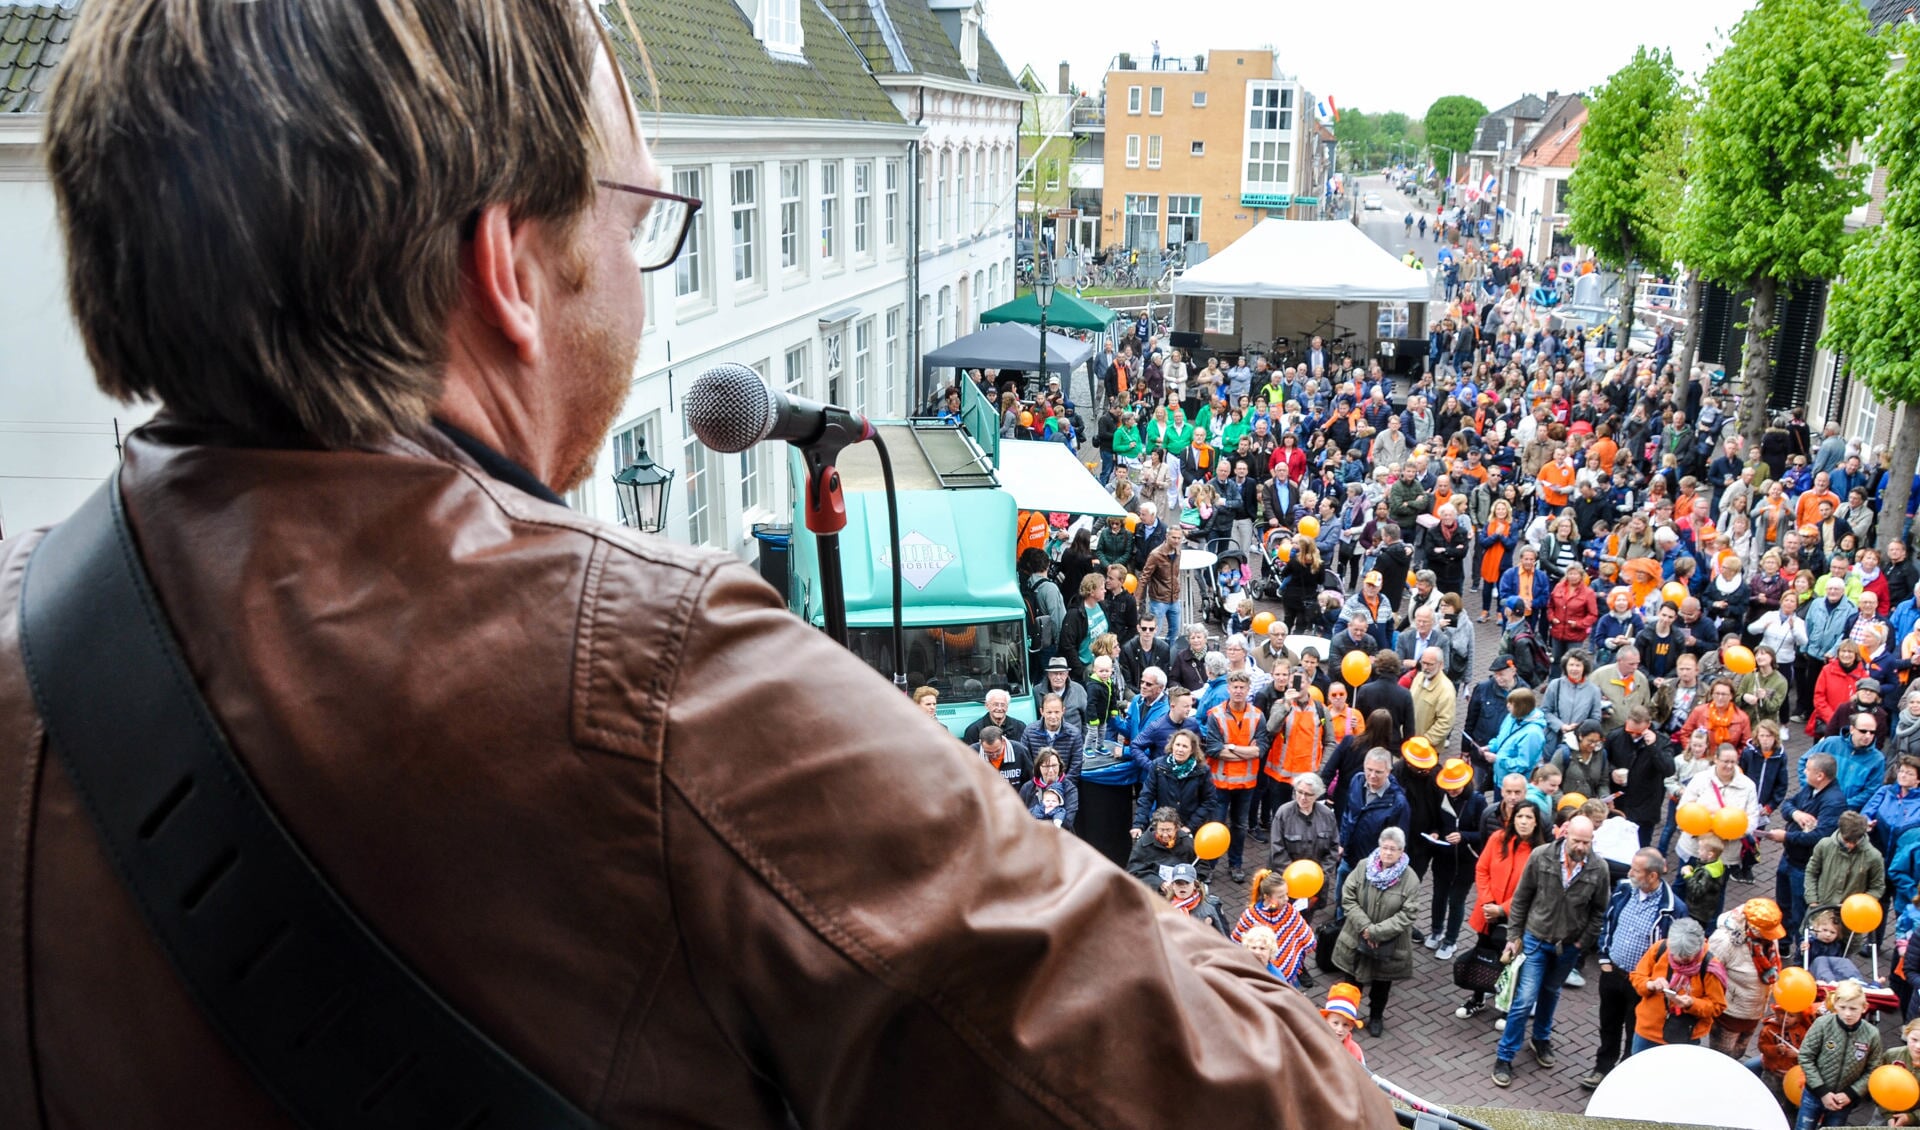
pixel 264 203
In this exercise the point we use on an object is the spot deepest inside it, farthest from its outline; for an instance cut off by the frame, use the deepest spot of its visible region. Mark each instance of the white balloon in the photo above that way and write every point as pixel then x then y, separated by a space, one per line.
pixel 1688 1084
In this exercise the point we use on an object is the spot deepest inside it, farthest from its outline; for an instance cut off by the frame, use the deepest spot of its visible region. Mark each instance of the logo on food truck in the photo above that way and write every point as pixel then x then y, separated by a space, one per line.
pixel 921 559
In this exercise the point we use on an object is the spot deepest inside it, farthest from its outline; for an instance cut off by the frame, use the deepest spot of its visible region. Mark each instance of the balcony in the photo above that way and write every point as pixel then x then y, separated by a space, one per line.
pixel 1089 116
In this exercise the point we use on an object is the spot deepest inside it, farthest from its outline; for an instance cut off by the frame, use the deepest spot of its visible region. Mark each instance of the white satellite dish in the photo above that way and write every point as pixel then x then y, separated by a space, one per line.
pixel 1686 1084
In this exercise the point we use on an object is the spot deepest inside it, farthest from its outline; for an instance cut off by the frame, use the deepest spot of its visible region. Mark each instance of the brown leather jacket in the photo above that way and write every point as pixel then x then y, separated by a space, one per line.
pixel 685 858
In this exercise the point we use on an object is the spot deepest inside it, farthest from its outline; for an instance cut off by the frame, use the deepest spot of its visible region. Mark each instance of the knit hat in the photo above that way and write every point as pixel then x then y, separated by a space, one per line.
pixel 1343 1000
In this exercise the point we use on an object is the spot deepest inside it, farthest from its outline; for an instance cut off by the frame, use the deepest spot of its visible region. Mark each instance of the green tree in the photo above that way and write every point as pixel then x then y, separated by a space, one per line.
pixel 1770 183
pixel 1624 191
pixel 1873 315
pixel 1450 125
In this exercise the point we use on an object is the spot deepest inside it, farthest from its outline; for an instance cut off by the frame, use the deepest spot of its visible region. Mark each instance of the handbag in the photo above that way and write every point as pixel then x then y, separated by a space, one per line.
pixel 1324 939
pixel 1477 970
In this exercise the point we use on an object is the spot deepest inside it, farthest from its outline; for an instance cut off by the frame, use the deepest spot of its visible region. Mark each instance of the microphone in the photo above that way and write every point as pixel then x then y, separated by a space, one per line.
pixel 730 409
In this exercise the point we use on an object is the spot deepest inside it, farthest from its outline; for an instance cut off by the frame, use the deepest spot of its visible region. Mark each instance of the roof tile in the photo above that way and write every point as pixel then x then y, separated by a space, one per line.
pixel 32 39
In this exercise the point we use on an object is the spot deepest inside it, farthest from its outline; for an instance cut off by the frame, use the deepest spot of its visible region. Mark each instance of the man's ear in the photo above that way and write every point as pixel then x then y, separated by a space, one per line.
pixel 503 279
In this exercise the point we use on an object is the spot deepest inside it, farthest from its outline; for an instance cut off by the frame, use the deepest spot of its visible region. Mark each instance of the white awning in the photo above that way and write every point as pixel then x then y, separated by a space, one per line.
pixel 1048 477
pixel 1311 259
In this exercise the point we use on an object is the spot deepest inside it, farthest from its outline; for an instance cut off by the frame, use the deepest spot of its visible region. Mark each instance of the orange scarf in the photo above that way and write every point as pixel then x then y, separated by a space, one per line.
pixel 1720 725
pixel 1490 565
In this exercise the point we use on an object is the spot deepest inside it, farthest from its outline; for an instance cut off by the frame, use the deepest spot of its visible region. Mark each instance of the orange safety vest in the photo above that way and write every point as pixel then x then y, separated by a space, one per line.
pixel 1296 748
pixel 1229 774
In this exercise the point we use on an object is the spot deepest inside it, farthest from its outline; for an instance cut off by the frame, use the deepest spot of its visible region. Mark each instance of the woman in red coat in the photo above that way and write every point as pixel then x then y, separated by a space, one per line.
pixel 1571 611
pixel 1495 878
pixel 1834 688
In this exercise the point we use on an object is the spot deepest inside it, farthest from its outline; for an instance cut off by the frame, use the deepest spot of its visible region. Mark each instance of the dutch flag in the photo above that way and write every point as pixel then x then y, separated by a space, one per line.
pixel 1488 186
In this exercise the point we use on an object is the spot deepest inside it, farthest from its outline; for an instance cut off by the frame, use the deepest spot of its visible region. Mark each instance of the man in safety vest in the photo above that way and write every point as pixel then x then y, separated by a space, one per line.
pixel 1232 734
pixel 1294 729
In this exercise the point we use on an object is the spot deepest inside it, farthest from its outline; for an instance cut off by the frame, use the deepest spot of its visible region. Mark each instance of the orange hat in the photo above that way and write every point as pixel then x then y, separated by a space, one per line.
pixel 1455 774
pixel 1763 918
pixel 1419 753
pixel 1343 999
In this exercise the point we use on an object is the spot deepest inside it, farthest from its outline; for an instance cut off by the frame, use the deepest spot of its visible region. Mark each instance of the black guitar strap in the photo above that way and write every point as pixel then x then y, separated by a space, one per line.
pixel 327 1018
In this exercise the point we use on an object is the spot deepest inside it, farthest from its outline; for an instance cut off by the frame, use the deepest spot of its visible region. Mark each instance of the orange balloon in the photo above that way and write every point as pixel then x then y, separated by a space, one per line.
pixel 1893 1087
pixel 1305 878
pixel 1739 660
pixel 1730 823
pixel 1131 583
pixel 1310 526
pixel 1795 989
pixel 1861 913
pixel 1356 667
pixel 1261 622
pixel 1794 1083
pixel 1694 819
pixel 1026 419
pixel 1284 551
pixel 1210 840
pixel 1132 523
pixel 1317 696
pixel 1674 591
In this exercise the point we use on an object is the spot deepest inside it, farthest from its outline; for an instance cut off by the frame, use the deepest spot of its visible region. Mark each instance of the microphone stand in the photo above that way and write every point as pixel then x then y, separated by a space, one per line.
pixel 826 515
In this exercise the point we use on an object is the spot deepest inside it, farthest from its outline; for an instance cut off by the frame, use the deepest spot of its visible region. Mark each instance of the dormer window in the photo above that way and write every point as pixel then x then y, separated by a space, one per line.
pixel 970 40
pixel 778 27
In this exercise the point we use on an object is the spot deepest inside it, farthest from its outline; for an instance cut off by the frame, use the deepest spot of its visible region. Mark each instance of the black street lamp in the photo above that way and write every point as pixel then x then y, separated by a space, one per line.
pixel 1043 295
pixel 641 488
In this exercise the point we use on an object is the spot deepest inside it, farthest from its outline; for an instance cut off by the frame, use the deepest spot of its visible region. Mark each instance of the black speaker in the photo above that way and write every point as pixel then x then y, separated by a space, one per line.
pixel 1182 339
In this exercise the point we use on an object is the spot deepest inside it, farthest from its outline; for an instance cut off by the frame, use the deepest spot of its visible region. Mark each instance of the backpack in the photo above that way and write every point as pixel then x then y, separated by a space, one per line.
pixel 1042 632
pixel 1536 652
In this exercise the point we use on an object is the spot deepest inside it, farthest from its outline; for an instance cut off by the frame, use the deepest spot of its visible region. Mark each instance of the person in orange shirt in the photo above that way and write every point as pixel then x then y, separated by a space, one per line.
pixel 1808 512
pixel 1603 450
pixel 1556 480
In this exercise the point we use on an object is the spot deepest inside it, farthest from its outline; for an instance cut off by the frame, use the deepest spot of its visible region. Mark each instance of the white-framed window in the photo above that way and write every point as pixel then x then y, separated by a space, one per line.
pixel 1143 220
pixel 793 193
pixel 862 365
pixel 940 307
pixel 690 270
pixel 1133 100
pixel 1183 219
pixel 1028 173
pixel 1006 279
pixel 1199 98
pixel 794 372
pixel 992 297
pixel 627 442
pixel 778 26
pixel 862 207
pixel 1133 151
pixel 963 194
pixel 940 195
pixel 891 217
pixel 1866 414
pixel 1053 174
pixel 895 351
pixel 755 483
pixel 980 197
pixel 1198 149
pixel 1270 107
pixel 699 491
pixel 830 211
pixel 1219 314
pixel 1157 100
pixel 833 352
pixel 1153 151
pixel 1268 164
pixel 979 300
pixel 746 223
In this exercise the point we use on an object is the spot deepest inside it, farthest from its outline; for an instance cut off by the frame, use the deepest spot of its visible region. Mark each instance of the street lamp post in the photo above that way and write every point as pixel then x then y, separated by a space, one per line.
pixel 1043 295
pixel 641 489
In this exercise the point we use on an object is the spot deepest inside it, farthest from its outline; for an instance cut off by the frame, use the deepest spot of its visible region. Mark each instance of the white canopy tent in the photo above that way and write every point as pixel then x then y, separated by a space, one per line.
pixel 1305 259
pixel 1290 279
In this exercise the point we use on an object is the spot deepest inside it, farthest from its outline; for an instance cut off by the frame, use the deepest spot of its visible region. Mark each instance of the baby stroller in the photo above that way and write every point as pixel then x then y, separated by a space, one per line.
pixel 1828 971
pixel 1267 587
pixel 1227 578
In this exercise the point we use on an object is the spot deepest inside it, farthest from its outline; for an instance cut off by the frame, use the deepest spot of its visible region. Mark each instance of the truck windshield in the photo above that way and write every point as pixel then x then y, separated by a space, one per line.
pixel 962 661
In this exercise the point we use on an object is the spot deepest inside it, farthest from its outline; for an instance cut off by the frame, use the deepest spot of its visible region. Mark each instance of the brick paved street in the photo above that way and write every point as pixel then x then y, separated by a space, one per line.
pixel 1431 1053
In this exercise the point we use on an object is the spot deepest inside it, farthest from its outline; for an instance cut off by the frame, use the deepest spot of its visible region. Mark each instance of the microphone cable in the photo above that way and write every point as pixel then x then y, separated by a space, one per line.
pixel 893 537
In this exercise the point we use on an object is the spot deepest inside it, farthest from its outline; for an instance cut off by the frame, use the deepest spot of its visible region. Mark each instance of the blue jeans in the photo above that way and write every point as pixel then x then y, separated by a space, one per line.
pixel 1669 829
pixel 1106 465
pixel 1812 1114
pixel 1168 613
pixel 1641 1043
pixel 1339 884
pixel 1536 992
pixel 1790 891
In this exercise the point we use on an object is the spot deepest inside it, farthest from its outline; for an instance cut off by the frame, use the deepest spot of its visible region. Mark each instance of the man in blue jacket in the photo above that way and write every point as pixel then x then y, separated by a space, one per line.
pixel 1639 913
pixel 1149 740
pixel 1486 713
pixel 1374 801
pixel 1860 768
pixel 1810 815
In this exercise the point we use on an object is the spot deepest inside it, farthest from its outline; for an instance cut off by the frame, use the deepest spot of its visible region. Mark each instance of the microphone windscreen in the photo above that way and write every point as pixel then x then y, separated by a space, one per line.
pixel 729 408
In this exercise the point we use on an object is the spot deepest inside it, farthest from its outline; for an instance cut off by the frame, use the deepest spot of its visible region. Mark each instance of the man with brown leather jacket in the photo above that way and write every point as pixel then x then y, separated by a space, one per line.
pixel 382 266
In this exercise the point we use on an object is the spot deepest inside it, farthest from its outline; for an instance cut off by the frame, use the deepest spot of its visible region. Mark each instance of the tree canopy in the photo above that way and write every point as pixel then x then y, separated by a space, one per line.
pixel 1620 197
pixel 1451 123
pixel 1369 139
pixel 1873 314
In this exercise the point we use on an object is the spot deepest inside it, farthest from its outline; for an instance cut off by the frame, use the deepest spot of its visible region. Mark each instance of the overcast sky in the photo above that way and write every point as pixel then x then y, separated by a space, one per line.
pixel 1372 54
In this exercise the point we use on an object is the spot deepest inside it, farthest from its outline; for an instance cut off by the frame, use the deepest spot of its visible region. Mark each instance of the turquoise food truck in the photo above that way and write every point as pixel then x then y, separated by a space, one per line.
pixel 963 618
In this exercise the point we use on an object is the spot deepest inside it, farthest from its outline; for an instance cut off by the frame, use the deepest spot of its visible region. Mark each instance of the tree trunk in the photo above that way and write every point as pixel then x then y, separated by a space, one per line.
pixel 1630 286
pixel 1757 369
pixel 1906 450
pixel 1690 332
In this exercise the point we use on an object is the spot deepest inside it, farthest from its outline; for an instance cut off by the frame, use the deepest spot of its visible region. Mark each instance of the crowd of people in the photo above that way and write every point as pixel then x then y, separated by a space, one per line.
pixel 1674 605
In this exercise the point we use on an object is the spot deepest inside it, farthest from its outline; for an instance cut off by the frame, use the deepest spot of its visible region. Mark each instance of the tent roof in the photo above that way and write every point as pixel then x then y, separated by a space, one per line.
pixel 1050 478
pixel 1066 311
pixel 1314 259
pixel 1009 345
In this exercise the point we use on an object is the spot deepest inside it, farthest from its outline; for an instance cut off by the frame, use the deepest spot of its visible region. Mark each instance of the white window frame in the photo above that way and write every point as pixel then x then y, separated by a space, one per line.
pixel 744 221
pixel 963 193
pixel 940 306
pixel 1157 100
pixel 831 237
pixel 777 26
pixel 692 273
pixel 1197 149
pixel 940 196
pixel 1186 201
pixel 862 365
pixel 1153 151
pixel 980 189
pixel 793 371
pixel 1129 210
pixel 1199 99
pixel 833 362
pixel 700 469
pixel 1133 151
pixel 863 208
pixel 623 443
pixel 1220 314
pixel 793 213
pixel 895 344
pixel 755 483
pixel 891 208
pixel 1133 100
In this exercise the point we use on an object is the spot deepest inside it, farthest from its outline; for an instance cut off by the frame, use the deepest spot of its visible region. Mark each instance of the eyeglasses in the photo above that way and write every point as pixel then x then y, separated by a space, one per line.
pixel 661 233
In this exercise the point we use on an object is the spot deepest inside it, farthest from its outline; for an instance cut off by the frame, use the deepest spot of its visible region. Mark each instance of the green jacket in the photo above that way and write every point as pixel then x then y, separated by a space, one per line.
pixel 1834 872
pixel 1230 435
pixel 1126 442
pixel 1175 437
pixel 1838 1060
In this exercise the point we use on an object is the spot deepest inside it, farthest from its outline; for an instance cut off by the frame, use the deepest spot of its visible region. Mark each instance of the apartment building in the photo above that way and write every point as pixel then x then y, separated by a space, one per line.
pixel 1202 155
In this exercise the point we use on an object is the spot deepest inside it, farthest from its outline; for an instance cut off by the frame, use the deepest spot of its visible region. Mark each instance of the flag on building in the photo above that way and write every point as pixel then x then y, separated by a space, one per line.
pixel 1333 106
pixel 1488 186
